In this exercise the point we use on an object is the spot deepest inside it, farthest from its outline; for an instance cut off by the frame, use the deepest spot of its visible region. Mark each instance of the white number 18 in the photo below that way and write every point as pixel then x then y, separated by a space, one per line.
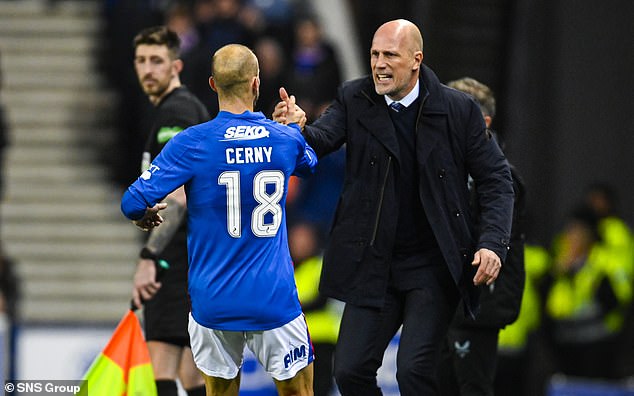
pixel 268 202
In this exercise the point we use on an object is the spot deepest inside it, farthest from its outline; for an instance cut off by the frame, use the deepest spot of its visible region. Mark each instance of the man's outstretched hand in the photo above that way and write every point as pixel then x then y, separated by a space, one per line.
pixel 151 218
pixel 288 112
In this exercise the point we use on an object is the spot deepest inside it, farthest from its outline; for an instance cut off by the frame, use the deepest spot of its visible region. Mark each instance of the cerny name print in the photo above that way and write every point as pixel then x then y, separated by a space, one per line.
pixel 248 155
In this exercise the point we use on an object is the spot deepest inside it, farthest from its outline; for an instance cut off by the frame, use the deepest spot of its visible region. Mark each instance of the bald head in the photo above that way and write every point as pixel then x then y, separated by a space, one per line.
pixel 404 31
pixel 395 58
pixel 233 69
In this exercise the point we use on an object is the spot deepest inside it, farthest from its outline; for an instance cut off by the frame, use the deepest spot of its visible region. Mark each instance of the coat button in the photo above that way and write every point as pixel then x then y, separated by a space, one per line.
pixel 441 173
pixel 457 214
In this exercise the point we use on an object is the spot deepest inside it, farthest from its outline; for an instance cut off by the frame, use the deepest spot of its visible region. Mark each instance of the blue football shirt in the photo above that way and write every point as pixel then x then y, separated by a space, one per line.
pixel 235 169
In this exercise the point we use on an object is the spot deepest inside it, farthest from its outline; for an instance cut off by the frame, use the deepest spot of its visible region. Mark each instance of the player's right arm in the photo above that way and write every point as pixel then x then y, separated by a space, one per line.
pixel 171 169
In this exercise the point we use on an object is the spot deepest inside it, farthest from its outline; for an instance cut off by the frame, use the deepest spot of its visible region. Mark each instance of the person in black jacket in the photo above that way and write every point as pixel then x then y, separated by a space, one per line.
pixel 469 356
pixel 405 244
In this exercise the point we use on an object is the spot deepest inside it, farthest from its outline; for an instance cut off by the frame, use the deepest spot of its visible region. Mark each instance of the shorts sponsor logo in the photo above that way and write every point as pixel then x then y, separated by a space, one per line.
pixel 295 355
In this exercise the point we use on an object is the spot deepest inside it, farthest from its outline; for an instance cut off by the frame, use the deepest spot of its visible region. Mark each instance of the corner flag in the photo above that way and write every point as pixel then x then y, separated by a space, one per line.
pixel 123 368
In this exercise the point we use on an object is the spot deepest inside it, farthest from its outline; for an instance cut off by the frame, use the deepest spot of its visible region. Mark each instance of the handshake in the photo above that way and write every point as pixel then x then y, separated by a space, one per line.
pixel 288 112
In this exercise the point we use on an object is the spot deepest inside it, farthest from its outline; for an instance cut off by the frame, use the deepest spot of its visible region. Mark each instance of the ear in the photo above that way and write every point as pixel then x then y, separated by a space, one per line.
pixel 178 66
pixel 418 59
pixel 256 82
pixel 212 84
pixel 487 121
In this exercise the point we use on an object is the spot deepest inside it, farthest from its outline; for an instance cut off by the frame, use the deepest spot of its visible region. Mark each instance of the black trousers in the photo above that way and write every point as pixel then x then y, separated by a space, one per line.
pixel 468 362
pixel 424 313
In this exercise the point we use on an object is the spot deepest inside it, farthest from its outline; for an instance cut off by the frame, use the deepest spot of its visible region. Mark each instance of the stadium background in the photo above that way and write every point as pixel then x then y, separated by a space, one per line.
pixel 561 71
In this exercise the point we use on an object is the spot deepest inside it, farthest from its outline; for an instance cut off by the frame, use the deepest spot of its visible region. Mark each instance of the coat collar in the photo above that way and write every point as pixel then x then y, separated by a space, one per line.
pixel 376 119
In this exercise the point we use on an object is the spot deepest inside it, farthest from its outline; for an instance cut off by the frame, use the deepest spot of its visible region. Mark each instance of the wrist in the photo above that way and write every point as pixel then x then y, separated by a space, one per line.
pixel 148 254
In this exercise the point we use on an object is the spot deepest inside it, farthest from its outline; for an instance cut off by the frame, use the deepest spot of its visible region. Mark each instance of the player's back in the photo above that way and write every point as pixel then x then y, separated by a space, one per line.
pixel 241 275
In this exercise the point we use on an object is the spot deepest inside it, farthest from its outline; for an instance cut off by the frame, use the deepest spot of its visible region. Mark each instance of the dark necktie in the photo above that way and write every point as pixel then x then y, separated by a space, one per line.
pixel 396 106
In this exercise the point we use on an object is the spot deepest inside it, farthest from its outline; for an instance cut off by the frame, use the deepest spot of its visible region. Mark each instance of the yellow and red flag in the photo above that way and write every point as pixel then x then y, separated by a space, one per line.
pixel 123 368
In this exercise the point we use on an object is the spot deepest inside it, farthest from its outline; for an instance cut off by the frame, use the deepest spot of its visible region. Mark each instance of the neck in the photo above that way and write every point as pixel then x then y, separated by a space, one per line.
pixel 174 83
pixel 235 105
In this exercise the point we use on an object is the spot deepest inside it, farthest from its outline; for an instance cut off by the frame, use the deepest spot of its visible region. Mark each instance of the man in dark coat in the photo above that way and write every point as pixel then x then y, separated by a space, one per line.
pixel 469 356
pixel 404 245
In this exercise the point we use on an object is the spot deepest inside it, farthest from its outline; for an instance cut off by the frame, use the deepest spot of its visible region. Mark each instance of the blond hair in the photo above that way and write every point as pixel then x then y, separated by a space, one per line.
pixel 480 92
pixel 232 68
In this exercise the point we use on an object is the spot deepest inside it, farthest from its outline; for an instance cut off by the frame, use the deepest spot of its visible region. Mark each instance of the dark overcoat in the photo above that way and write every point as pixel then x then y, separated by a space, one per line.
pixel 451 144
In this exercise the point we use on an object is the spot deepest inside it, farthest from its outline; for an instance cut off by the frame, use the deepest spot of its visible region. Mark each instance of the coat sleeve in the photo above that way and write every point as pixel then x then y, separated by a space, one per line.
pixel 328 132
pixel 491 172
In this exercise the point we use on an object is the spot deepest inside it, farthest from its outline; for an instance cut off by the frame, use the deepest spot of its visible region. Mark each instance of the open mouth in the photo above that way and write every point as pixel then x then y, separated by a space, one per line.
pixel 383 77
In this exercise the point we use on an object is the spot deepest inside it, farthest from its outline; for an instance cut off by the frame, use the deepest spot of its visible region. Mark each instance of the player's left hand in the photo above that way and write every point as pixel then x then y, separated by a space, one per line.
pixel 489 266
pixel 151 218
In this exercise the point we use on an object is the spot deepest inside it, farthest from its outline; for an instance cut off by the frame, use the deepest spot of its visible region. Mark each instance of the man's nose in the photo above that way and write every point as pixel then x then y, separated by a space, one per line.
pixel 145 69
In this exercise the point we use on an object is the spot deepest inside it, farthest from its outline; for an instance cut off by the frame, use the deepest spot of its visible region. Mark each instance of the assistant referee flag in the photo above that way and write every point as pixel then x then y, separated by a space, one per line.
pixel 123 368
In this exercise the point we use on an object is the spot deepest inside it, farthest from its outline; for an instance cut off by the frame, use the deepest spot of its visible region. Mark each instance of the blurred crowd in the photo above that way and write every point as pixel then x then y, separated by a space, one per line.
pixel 577 316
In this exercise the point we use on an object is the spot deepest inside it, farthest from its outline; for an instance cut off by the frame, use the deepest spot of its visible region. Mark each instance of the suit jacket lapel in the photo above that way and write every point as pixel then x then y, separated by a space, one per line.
pixel 376 120
pixel 428 134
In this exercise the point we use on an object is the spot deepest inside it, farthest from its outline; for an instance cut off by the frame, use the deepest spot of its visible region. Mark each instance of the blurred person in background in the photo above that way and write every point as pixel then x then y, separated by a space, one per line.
pixel 313 76
pixel 219 22
pixel 179 18
pixel 272 59
pixel 274 18
pixel 322 313
pixel 616 235
pixel 166 304
pixel 315 199
pixel 517 341
pixel 9 300
pixel 314 73
pixel 617 242
pixel 585 300
pixel 404 246
pixel 470 353
pixel 9 282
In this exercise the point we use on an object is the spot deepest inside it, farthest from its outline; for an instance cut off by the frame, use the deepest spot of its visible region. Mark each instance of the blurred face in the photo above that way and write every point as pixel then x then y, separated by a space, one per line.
pixel 154 68
pixel 302 242
pixel 308 34
pixel 394 62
